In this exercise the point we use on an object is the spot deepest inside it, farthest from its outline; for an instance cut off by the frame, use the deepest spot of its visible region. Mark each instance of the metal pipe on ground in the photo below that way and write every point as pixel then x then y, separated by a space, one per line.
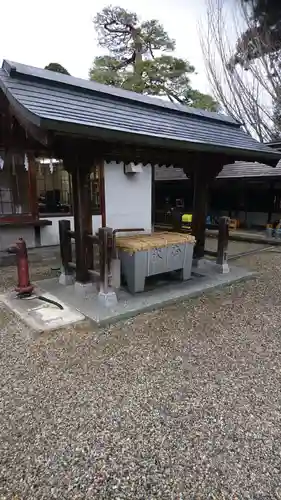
pixel 250 252
pixel 232 236
pixel 249 239
pixel 246 253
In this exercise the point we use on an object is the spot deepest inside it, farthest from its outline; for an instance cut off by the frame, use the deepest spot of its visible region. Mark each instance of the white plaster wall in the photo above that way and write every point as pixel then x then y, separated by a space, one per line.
pixel 127 201
pixel 127 197
pixel 50 234
pixel 8 236
pixel 97 223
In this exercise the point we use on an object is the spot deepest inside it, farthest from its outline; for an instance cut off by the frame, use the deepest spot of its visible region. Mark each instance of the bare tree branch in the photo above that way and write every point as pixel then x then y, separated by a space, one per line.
pixel 245 93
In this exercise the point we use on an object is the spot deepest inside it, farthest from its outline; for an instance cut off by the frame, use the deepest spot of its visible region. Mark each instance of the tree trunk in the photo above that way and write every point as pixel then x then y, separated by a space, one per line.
pixel 138 56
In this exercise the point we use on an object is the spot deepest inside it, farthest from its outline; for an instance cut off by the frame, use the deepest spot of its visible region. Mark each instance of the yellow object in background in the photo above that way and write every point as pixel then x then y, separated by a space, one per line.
pixel 233 224
pixel 187 218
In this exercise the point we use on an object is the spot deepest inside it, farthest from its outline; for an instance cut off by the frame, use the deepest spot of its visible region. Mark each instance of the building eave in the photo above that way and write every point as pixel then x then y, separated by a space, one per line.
pixel 157 141
pixel 50 104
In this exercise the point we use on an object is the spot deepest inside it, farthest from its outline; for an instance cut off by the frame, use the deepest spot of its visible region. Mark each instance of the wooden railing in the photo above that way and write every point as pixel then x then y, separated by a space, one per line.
pixel 105 245
pixel 102 244
pixel 175 224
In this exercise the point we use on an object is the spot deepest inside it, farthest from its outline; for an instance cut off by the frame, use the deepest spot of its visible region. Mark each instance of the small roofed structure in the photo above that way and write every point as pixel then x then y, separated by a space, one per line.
pixel 83 122
pixel 249 191
pixel 237 170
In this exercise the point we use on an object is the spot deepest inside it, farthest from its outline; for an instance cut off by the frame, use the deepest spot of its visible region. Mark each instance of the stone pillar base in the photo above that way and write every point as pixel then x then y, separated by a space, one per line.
pixel 66 279
pixel 84 289
pixel 223 268
pixel 108 299
pixel 198 263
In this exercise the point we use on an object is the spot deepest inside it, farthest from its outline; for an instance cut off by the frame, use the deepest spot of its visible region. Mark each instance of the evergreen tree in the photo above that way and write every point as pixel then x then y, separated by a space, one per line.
pixel 58 68
pixel 140 58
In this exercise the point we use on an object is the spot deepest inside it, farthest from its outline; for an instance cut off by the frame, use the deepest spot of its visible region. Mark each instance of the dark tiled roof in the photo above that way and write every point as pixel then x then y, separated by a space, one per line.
pixel 53 101
pixel 237 170
pixel 169 173
pixel 247 169
pixel 29 72
pixel 274 144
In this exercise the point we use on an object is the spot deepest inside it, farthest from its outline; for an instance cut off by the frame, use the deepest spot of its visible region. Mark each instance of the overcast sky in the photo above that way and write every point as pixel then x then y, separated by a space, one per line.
pixel 37 33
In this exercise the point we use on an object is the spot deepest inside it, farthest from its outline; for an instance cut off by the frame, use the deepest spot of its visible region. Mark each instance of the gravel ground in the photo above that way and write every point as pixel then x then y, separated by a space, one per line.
pixel 183 403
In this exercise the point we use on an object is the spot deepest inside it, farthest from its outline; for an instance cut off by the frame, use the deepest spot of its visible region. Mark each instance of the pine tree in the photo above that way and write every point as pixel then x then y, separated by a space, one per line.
pixel 140 58
pixel 58 68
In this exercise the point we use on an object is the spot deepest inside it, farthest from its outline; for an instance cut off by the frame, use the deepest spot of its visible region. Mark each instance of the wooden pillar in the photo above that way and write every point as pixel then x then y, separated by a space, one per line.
pixel 82 219
pixel 153 186
pixel 200 191
pixel 205 168
pixel 244 195
pixel 65 246
pixel 105 249
pixel 176 219
pixel 102 193
pixel 271 202
pixel 223 237
pixel 32 186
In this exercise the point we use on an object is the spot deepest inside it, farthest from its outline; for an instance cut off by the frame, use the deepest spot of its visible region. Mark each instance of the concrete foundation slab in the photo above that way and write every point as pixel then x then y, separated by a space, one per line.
pixel 223 268
pixel 82 290
pixel 39 315
pixel 220 268
pixel 108 299
pixel 166 292
pixel 66 279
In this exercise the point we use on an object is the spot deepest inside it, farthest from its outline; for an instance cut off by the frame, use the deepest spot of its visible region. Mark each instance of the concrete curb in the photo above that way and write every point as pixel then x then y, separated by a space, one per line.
pixel 154 307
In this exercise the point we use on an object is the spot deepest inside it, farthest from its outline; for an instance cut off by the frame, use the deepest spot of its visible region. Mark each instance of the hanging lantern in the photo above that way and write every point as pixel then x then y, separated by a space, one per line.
pixel 26 164
pixel 1 163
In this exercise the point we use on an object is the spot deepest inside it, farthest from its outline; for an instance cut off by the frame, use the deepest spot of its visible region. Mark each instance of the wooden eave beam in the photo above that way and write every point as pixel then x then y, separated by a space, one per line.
pixel 20 130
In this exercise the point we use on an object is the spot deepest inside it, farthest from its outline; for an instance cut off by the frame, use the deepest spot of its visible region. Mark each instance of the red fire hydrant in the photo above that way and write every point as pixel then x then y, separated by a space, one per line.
pixel 19 249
